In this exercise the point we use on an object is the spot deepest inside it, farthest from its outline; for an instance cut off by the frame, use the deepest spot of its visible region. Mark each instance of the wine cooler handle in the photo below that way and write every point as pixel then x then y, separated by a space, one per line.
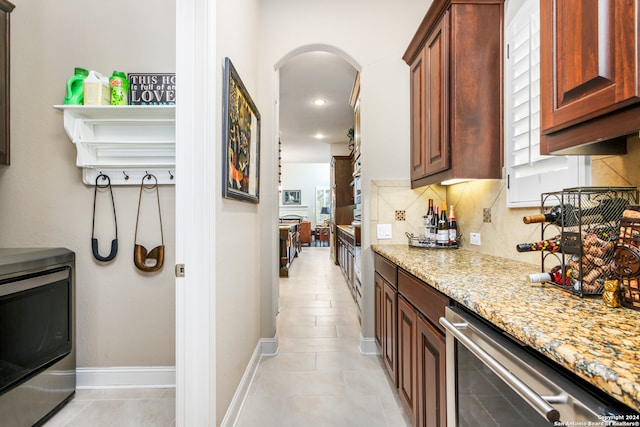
pixel 533 398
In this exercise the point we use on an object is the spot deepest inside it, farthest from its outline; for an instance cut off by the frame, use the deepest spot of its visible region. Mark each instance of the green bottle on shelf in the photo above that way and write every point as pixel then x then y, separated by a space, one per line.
pixel 75 92
pixel 119 88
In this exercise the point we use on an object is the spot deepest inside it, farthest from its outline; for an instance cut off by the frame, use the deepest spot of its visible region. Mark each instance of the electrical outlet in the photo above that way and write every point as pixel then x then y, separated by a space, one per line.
pixel 474 239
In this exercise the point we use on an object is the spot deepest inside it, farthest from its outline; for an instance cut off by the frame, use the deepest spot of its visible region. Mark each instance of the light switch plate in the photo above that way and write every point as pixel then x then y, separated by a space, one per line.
pixel 384 231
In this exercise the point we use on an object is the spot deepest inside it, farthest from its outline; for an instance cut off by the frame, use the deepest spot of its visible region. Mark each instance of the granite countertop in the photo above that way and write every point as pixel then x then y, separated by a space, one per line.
pixel 598 343
pixel 347 229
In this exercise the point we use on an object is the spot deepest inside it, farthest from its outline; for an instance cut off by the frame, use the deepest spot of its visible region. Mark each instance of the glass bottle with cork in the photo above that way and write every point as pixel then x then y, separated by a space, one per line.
pixel 442 238
pixel 453 227
pixel 429 230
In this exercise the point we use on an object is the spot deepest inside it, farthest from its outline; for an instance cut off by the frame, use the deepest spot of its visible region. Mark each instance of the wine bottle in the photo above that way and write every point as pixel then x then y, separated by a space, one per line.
pixel 566 215
pixel 434 224
pixel 560 275
pixel 453 227
pixel 442 238
pixel 590 211
pixel 429 231
pixel 549 245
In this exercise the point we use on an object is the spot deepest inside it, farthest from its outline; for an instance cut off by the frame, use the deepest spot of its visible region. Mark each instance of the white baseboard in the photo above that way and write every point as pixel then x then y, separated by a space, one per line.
pixel 269 346
pixel 126 377
pixel 265 347
pixel 368 346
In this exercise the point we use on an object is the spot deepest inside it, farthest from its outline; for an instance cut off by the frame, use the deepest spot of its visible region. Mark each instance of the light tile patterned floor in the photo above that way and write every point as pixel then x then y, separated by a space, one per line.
pixel 319 378
pixel 118 407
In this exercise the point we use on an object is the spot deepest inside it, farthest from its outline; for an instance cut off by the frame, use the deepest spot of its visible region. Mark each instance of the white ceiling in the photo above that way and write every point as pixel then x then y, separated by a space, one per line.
pixel 304 78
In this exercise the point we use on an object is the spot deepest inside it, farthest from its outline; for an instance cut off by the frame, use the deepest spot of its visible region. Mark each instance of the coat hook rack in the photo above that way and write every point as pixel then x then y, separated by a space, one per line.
pixel 131 176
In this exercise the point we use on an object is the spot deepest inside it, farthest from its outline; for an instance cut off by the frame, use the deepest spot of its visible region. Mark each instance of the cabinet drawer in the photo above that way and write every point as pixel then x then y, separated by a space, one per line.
pixel 387 270
pixel 428 301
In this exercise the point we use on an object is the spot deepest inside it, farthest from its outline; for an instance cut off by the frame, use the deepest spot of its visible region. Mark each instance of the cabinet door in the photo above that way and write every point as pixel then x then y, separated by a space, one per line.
pixel 588 60
pixel 436 106
pixel 407 339
pixel 389 331
pixel 418 118
pixel 5 10
pixel 431 394
pixel 378 292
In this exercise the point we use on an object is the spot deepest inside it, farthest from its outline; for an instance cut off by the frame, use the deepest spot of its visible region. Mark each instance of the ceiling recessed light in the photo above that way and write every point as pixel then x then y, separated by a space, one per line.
pixel 318 136
pixel 319 101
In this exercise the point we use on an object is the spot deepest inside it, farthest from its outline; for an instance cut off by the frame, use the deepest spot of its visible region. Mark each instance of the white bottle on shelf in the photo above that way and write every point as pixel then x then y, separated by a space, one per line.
pixel 96 89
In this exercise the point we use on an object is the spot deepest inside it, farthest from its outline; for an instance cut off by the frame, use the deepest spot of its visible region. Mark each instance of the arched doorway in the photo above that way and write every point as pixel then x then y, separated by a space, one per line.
pixel 314 119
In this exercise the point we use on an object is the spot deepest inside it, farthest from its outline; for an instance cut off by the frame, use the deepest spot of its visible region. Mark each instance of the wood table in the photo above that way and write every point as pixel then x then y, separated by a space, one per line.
pixel 289 246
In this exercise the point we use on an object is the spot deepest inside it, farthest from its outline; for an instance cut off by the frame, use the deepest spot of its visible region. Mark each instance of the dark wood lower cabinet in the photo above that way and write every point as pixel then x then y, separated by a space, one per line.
pixel 407 352
pixel 431 401
pixel 411 341
pixel 378 295
pixel 389 331
pixel 421 367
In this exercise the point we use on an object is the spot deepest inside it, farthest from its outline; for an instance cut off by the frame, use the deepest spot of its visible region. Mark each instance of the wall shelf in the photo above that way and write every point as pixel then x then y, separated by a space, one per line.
pixel 123 142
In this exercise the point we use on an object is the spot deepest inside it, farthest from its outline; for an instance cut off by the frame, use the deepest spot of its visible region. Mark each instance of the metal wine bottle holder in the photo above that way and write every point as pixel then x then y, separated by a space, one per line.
pixel 588 226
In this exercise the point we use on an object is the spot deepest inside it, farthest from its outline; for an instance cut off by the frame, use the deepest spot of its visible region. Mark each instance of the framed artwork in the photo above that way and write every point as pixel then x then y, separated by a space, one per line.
pixel 241 139
pixel 291 197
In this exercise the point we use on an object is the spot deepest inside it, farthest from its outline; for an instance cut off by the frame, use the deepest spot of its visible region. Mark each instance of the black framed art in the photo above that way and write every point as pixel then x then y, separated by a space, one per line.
pixel 241 139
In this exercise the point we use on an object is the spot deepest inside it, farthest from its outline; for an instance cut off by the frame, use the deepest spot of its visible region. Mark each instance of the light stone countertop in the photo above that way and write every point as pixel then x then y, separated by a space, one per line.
pixel 598 343
pixel 347 229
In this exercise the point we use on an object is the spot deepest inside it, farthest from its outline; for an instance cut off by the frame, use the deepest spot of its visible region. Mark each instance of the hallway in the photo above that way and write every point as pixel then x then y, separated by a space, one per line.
pixel 319 377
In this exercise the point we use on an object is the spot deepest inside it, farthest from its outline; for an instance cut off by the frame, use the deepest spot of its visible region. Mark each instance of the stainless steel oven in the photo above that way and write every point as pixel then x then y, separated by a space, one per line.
pixel 37 329
pixel 492 380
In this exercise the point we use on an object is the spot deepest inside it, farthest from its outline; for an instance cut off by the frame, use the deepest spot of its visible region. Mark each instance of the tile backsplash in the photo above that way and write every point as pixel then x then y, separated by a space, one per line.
pixel 390 197
pixel 479 200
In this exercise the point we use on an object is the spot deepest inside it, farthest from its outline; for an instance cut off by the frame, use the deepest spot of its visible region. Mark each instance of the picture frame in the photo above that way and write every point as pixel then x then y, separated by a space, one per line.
pixel 240 140
pixel 291 197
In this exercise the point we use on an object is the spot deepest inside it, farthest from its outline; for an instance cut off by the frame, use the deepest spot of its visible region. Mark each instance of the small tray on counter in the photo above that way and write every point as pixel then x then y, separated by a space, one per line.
pixel 422 242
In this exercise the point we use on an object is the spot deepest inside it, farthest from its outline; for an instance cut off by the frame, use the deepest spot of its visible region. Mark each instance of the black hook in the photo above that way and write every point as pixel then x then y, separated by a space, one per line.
pixel 94 241
pixel 126 177
pixel 170 176
pixel 103 177
pixel 149 177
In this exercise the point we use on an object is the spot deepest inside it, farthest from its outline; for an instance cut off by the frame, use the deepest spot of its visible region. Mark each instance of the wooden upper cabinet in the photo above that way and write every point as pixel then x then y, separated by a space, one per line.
pixel 589 71
pixel 428 83
pixel 5 143
pixel 455 61
pixel 418 122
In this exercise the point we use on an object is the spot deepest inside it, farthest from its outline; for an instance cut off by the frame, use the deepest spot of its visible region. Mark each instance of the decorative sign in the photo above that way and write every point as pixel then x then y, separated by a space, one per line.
pixel 152 89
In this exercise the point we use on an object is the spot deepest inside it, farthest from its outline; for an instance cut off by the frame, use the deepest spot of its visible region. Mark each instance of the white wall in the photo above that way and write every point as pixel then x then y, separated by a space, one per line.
pixel 124 317
pixel 305 177
pixel 239 228
pixel 373 39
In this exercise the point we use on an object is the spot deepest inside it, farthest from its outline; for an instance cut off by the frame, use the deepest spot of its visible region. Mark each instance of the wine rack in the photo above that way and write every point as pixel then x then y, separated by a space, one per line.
pixel 588 227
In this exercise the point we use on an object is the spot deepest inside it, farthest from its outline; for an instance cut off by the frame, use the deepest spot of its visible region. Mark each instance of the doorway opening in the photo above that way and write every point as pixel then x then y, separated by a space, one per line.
pixel 315 121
